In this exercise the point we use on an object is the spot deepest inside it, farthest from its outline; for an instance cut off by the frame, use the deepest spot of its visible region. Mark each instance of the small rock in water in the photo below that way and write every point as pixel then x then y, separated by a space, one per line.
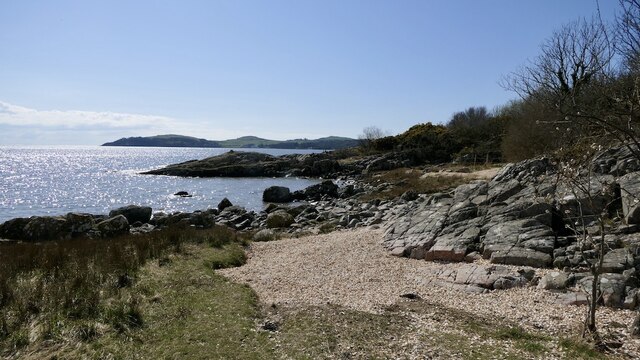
pixel 183 194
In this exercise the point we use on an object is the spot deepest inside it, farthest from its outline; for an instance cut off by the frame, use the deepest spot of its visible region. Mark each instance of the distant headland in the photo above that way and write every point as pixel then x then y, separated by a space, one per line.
pixel 325 143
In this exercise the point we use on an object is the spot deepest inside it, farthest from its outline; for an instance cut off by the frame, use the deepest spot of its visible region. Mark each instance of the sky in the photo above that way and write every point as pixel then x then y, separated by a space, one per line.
pixel 84 72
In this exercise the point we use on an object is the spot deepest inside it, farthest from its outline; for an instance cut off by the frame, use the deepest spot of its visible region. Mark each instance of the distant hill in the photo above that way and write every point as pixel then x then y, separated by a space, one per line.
pixel 325 143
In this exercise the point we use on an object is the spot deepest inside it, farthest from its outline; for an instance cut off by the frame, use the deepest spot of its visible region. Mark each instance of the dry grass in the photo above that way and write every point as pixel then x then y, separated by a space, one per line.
pixel 79 288
pixel 405 179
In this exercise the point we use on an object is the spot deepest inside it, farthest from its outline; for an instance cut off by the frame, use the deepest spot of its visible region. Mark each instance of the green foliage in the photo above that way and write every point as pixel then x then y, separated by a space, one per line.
pixel 231 255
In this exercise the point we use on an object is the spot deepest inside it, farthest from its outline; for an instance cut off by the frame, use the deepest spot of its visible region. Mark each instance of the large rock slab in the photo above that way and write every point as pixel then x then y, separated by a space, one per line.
pixel 415 233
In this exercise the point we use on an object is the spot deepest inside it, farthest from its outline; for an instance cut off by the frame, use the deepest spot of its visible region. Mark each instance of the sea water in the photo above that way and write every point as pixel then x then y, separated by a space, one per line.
pixel 55 180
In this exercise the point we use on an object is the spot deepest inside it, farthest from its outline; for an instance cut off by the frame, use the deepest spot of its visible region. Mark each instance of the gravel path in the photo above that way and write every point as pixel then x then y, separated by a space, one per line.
pixel 351 269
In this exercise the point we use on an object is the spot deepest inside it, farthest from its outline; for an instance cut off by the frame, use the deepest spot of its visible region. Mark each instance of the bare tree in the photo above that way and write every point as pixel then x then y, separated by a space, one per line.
pixel 369 135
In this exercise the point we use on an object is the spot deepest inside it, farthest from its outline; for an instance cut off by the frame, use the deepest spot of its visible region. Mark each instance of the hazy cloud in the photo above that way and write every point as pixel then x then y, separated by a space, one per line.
pixel 15 115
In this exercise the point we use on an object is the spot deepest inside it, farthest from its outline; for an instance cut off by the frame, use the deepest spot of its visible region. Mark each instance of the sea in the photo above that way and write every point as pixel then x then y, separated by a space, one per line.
pixel 55 180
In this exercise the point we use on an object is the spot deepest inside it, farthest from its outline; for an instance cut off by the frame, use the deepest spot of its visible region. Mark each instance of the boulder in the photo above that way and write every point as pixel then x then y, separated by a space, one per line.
pixel 182 194
pixel 79 222
pixel 45 228
pixel 279 219
pixel 555 280
pixel 202 219
pixel 224 203
pixel 133 213
pixel 116 225
pixel 316 192
pixel 277 194
pixel 264 235
pixel 617 260
pixel 14 228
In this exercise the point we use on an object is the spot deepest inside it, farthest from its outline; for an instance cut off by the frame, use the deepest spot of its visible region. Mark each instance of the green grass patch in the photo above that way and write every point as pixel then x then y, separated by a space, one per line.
pixel 231 255
pixel 579 349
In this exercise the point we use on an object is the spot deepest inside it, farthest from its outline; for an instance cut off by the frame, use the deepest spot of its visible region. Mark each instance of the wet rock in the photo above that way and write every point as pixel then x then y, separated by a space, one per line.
pixel 182 194
pixel 277 194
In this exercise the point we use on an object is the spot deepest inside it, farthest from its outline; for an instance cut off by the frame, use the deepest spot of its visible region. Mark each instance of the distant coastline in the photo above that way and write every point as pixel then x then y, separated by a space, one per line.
pixel 171 140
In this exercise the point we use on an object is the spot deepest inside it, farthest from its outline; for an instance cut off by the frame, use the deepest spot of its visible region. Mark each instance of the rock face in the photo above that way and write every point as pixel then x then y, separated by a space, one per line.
pixel 500 219
pixel 133 213
pixel 524 216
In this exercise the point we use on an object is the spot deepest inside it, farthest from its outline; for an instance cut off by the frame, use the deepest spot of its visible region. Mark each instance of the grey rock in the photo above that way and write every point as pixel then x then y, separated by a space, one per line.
pixel 573 298
pixel 116 225
pixel 79 223
pixel 555 280
pixel 264 235
pixel 279 219
pixel 521 256
pixel 133 213
pixel 630 192
pixel 41 228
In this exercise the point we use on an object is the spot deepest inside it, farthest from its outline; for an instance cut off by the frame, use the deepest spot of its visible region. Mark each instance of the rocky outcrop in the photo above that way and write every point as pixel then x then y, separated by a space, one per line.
pixel 525 216
pixel 251 164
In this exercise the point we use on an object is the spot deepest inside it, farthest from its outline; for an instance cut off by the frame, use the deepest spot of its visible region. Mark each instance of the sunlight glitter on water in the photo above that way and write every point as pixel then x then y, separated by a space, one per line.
pixel 57 180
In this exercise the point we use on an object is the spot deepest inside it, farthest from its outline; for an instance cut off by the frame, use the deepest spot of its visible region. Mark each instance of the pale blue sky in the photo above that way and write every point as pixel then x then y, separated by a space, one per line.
pixel 87 72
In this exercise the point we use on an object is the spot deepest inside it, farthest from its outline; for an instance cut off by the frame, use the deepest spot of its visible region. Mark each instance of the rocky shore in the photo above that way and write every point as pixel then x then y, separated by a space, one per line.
pixel 505 228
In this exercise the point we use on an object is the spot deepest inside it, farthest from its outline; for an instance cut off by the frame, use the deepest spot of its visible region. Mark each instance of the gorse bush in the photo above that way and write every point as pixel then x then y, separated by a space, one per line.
pixel 67 287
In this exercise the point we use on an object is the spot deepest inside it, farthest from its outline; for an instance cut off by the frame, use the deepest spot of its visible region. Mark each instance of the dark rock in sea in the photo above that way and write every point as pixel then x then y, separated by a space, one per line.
pixel 133 213
pixel 183 194
pixel 316 192
pixel 225 203
pixel 251 164
pixel 277 194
